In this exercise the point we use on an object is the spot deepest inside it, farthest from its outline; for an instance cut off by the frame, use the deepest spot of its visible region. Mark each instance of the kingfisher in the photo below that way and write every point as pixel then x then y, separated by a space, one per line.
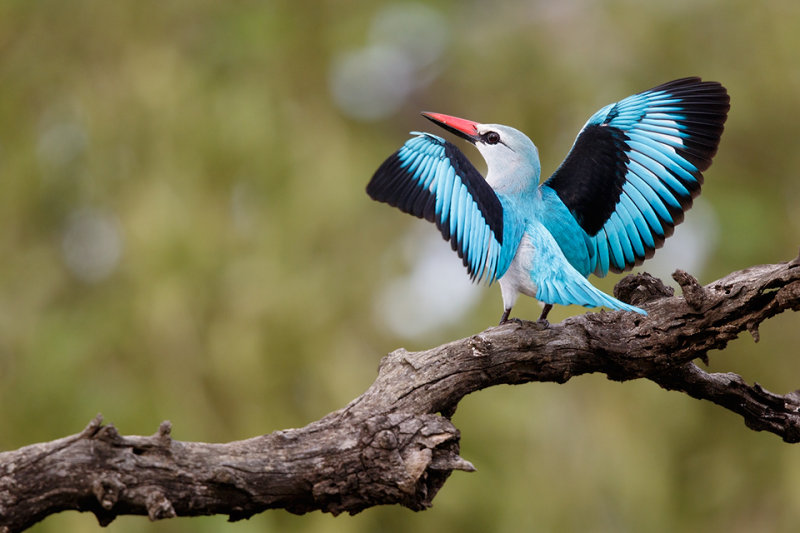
pixel 633 170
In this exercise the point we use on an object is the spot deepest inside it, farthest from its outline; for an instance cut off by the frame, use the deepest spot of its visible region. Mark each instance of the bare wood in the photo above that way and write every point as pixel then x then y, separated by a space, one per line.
pixel 395 444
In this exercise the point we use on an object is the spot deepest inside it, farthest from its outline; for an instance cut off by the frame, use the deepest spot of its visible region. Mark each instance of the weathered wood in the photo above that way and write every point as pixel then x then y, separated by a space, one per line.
pixel 395 444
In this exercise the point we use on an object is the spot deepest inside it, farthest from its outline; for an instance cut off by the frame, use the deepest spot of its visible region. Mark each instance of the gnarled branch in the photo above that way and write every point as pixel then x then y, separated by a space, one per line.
pixel 395 443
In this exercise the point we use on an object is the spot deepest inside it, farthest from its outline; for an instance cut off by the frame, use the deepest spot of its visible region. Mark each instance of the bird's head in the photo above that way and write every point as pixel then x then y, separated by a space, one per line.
pixel 511 157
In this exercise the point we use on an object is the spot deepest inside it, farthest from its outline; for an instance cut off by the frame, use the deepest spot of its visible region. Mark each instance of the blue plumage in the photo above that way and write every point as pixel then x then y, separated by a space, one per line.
pixel 633 171
pixel 429 178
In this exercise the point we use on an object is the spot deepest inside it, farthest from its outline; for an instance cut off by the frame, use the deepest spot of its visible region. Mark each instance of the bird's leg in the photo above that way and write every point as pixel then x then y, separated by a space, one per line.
pixel 543 316
pixel 504 318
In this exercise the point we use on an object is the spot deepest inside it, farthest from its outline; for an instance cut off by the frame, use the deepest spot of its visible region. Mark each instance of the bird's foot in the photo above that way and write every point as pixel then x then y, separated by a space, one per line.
pixel 543 322
pixel 517 321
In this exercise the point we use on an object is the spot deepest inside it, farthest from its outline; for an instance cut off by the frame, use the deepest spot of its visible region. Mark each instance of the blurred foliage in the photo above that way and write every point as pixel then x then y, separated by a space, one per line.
pixel 202 139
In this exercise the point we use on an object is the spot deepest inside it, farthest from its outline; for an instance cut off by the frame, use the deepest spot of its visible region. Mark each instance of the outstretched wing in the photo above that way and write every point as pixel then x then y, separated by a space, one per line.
pixel 430 178
pixel 634 170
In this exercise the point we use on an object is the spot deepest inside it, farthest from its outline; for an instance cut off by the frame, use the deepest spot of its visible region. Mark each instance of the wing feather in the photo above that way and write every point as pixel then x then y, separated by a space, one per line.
pixel 430 178
pixel 635 168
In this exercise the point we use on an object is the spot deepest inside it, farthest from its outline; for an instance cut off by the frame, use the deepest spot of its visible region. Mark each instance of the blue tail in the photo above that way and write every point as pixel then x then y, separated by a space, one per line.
pixel 578 291
pixel 558 282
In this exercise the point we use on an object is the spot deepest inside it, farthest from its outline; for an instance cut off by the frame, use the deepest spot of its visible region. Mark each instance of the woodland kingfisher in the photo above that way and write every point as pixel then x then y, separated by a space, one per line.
pixel 632 172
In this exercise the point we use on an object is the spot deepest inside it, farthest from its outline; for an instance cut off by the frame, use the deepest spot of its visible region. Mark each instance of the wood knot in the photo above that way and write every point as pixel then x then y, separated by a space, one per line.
pixel 107 490
pixel 695 294
pixel 158 506
pixel 164 432
pixel 385 439
pixel 638 289
pixel 109 434
pixel 479 345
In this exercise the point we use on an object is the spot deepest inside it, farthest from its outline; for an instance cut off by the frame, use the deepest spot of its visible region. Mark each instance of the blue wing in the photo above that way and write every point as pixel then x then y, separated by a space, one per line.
pixel 430 178
pixel 633 171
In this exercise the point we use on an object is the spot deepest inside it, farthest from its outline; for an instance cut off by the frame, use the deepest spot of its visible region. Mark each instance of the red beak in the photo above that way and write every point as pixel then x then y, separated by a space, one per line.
pixel 460 126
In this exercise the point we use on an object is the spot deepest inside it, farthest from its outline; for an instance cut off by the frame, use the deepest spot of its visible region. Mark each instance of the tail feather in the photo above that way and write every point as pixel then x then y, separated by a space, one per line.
pixel 578 291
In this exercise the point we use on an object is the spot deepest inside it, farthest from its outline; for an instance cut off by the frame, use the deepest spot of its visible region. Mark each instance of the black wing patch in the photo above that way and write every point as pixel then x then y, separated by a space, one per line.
pixel 430 178
pixel 590 179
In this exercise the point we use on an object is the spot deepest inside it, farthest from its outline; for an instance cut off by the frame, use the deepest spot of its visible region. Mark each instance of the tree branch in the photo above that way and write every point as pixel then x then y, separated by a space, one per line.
pixel 395 444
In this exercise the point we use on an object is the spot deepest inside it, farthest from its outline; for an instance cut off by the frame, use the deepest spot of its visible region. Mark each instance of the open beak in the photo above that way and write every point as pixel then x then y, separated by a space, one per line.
pixel 460 126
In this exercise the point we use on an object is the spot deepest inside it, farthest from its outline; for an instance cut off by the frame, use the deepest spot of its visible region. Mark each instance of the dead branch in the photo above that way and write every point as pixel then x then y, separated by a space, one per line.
pixel 395 443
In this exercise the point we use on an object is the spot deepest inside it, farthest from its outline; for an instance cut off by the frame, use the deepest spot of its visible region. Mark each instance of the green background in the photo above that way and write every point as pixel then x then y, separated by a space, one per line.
pixel 184 235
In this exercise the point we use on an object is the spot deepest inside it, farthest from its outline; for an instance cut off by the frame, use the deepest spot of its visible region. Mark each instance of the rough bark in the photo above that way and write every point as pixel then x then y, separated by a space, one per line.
pixel 395 444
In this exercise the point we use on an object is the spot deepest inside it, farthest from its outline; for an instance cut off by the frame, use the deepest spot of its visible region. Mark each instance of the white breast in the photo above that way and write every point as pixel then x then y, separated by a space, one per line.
pixel 517 278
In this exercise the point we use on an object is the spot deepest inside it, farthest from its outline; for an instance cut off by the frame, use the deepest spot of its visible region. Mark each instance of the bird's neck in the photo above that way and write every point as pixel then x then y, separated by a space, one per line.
pixel 520 180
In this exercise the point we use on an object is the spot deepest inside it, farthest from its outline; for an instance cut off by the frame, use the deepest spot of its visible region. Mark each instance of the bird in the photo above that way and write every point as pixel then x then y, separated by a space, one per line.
pixel 633 170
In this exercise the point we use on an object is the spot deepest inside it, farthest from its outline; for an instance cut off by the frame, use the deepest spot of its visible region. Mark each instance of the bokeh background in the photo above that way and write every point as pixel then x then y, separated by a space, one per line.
pixel 184 235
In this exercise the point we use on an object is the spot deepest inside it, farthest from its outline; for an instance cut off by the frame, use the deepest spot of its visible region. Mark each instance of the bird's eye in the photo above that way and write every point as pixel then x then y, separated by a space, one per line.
pixel 492 137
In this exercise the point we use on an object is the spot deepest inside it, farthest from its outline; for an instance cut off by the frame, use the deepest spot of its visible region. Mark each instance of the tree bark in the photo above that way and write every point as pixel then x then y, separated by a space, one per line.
pixel 395 443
